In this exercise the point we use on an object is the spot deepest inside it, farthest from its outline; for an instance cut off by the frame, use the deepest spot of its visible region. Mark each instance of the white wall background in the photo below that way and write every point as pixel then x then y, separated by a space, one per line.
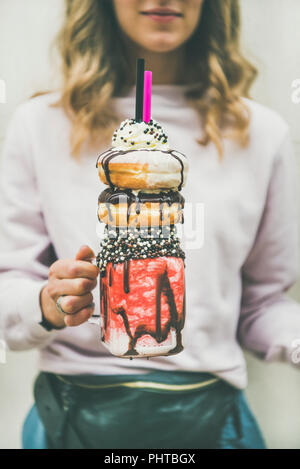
pixel 271 38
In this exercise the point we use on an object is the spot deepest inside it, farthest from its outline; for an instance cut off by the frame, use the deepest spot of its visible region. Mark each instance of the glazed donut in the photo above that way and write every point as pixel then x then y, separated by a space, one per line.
pixel 150 214
pixel 143 169
pixel 141 209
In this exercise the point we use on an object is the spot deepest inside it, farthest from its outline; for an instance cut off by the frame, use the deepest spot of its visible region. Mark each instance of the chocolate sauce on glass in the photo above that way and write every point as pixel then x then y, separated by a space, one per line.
pixel 161 333
pixel 126 276
pixel 110 277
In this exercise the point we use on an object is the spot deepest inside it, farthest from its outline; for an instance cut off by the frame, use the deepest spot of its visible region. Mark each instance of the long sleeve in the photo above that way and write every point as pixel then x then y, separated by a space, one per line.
pixel 270 319
pixel 25 251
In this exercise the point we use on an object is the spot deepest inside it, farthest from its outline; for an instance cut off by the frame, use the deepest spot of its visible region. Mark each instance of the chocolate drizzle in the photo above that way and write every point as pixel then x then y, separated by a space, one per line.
pixel 117 196
pixel 160 334
pixel 110 277
pixel 104 305
pixel 126 276
pixel 138 205
pixel 182 168
pixel 112 153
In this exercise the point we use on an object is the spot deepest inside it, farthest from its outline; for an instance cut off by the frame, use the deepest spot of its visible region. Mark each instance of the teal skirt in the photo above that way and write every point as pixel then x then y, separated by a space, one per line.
pixel 157 410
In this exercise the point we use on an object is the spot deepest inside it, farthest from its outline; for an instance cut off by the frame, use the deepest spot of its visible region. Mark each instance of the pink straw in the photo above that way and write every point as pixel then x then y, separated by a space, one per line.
pixel 147 96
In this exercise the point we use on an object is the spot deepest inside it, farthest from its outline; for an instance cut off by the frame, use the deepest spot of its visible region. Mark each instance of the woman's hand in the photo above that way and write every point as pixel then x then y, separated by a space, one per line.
pixel 75 278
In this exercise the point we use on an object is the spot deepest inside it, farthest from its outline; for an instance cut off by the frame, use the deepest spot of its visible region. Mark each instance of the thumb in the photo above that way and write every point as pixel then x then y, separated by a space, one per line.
pixel 85 253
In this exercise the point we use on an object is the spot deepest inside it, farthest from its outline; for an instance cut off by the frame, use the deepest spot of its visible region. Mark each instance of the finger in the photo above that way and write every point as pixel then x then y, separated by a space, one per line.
pixel 82 316
pixel 85 253
pixel 73 304
pixel 74 287
pixel 70 268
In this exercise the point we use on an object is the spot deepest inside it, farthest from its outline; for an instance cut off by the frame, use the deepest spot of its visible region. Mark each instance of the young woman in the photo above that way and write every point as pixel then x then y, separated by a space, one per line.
pixel 241 170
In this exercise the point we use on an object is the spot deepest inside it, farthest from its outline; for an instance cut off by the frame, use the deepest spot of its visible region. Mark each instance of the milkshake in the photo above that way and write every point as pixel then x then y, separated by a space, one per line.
pixel 142 280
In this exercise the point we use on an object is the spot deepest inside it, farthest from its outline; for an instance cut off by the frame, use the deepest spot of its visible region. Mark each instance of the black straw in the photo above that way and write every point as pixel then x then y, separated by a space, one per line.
pixel 139 101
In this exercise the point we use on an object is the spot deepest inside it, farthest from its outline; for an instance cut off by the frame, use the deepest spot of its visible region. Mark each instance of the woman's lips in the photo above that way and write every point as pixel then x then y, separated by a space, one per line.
pixel 162 17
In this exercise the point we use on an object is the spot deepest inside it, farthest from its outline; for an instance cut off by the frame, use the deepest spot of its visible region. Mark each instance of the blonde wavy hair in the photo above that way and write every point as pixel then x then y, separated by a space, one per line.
pixel 94 61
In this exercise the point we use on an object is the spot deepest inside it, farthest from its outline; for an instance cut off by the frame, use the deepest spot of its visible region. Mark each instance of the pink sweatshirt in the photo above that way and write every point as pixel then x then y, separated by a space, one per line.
pixel 236 279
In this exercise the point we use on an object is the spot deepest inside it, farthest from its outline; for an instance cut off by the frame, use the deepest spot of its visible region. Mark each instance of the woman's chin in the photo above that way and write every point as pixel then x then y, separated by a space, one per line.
pixel 161 45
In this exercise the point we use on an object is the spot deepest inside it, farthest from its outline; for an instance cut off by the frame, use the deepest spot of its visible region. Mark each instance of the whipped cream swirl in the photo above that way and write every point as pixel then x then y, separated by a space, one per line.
pixel 139 135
